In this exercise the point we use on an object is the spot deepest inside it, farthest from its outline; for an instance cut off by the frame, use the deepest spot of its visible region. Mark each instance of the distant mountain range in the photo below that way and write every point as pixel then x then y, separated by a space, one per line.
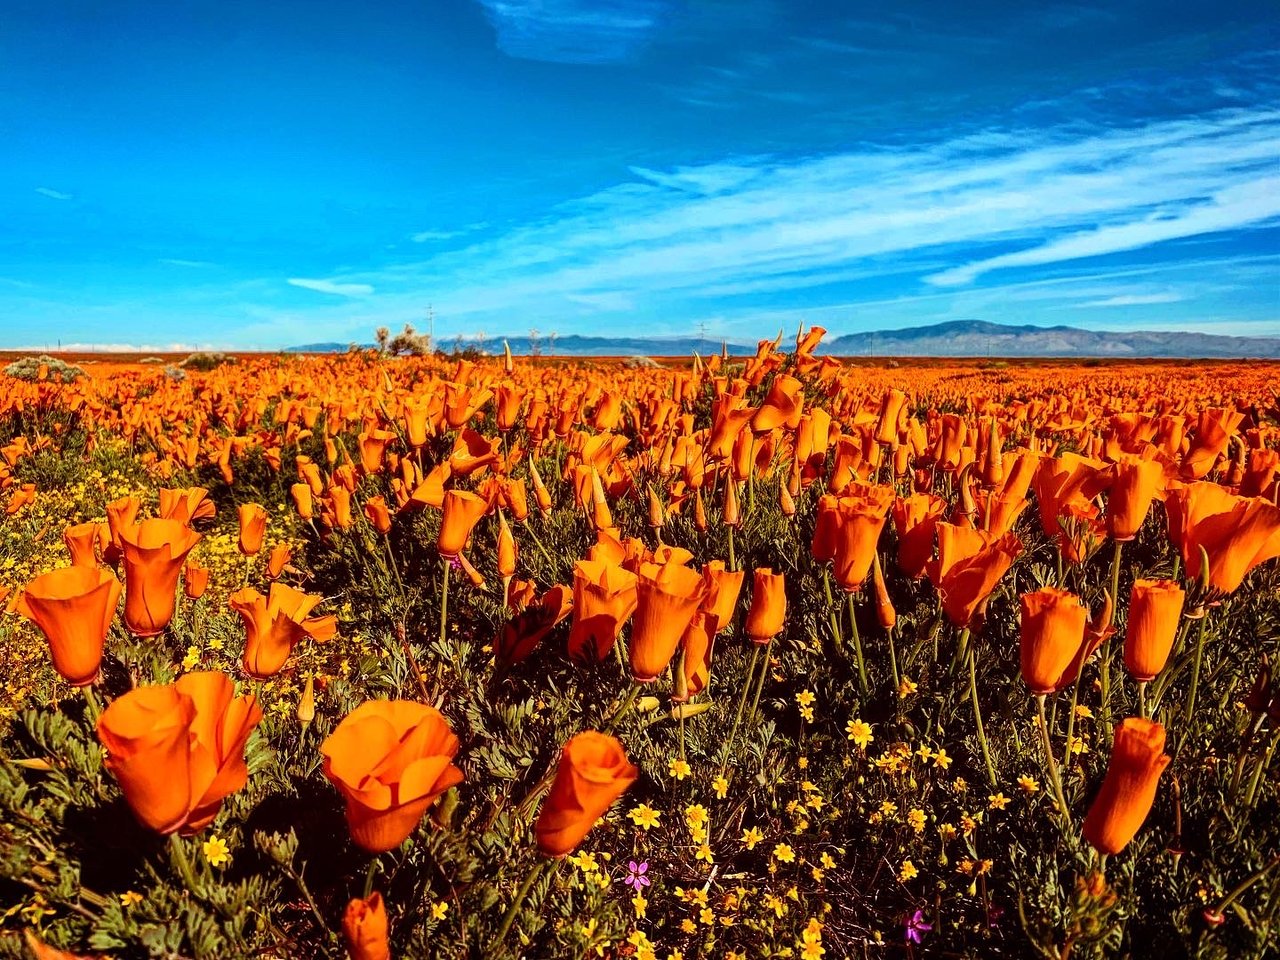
pixel 955 338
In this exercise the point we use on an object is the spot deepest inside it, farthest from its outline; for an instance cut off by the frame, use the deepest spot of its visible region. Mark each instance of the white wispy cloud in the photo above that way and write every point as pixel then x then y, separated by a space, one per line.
pixel 332 287
pixel 573 31
pixel 1133 300
pixel 54 194
pixel 178 262
pixel 1016 202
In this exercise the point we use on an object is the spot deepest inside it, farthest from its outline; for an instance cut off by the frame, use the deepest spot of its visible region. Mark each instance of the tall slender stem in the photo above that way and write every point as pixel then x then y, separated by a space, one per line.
pixel 977 714
pixel 732 564
pixel 857 645
pixel 1054 777
pixel 510 917
pixel 764 672
pixel 742 703
pixel 1105 657
pixel 833 612
pixel 625 705
pixel 1189 712
pixel 444 598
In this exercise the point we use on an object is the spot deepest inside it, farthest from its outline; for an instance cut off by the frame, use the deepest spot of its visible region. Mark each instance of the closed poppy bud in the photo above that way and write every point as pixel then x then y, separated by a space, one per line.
pixel 301 494
pixel 376 510
pixel 462 511
pixel 80 540
pixel 307 703
pixel 732 513
pixel 890 412
pixel 786 502
pixel 699 511
pixel 516 498
pixel 177 750
pixel 340 507
pixel 506 549
pixel 695 665
pixel 1155 607
pixel 885 613
pixel 73 607
pixel 280 555
pixel 667 598
pixel 154 554
pixel 540 495
pixel 474 575
pixel 364 929
pixel 1136 483
pixel 768 605
pixel 253 524
pixel 656 517
pixel 593 773
pixel 195 580
pixel 1129 787
pixel 390 759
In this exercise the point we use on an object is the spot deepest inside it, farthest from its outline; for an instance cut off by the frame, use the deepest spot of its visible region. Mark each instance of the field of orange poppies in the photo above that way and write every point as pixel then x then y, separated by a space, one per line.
pixel 768 657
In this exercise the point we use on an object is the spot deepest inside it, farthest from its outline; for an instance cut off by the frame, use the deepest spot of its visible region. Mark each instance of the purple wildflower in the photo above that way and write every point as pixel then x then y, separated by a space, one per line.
pixel 636 878
pixel 916 927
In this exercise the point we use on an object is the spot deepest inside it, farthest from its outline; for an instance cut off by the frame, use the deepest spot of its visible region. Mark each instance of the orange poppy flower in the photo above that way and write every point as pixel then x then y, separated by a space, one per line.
pixel 915 519
pixel 1052 639
pixel 667 597
pixel 375 509
pixel 593 773
pixel 1155 606
pixel 462 511
pixel 280 555
pixel 80 540
pixel 506 549
pixel 73 607
pixel 154 553
pixel 120 514
pixel 275 623
pixel 186 504
pixel 390 759
pixel 177 750
pixel 301 495
pixel 195 580
pixel 1129 787
pixel 1214 430
pixel 969 565
pixel 696 644
pixel 604 598
pixel 859 516
pixel 1238 533
pixel 364 929
pixel 1135 483
pixel 253 525
pixel 768 605
pixel 723 587
pixel 521 635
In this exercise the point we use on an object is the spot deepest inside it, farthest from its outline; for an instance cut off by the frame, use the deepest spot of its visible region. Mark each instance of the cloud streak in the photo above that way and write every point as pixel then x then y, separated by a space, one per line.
pixel 332 287
pixel 574 31
pixel 54 194
pixel 936 216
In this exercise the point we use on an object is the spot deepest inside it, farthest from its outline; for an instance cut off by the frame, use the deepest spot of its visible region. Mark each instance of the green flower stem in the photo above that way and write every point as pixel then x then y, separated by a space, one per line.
pixel 977 712
pixel 857 646
pixel 1054 778
pixel 742 703
pixel 628 699
pixel 510 917
pixel 1190 709
pixel 368 878
pixel 444 598
pixel 1245 884
pixel 538 543
pixel 178 852
pixel 833 615
pixel 732 563
pixel 764 672
pixel 1105 658
pixel 93 709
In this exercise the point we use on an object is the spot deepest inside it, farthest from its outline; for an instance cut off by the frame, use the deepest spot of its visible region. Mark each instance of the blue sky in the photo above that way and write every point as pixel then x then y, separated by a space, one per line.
pixel 248 174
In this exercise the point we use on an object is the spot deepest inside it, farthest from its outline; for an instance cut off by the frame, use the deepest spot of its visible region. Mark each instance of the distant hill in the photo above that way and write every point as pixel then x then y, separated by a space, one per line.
pixel 980 338
pixel 955 338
